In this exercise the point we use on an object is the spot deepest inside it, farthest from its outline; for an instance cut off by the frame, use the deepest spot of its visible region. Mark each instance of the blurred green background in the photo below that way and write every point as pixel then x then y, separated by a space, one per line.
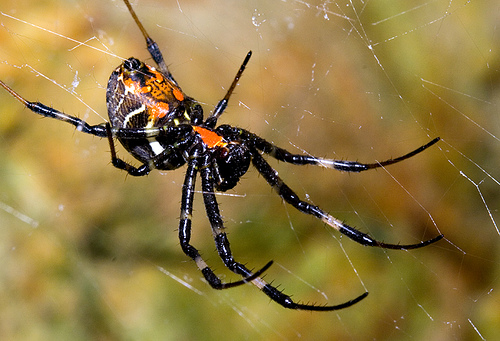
pixel 89 253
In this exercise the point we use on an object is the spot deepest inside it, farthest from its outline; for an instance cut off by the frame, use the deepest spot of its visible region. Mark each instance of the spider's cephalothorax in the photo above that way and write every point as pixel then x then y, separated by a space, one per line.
pixel 164 129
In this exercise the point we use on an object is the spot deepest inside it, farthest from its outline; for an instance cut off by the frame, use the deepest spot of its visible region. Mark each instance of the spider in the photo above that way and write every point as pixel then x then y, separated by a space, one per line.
pixel 165 129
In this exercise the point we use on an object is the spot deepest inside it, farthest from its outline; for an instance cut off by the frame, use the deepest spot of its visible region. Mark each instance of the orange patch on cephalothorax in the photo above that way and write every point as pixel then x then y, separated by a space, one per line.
pixel 210 138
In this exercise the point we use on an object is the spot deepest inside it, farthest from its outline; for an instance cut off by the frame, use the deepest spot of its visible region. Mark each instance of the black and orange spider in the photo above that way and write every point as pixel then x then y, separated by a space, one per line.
pixel 165 129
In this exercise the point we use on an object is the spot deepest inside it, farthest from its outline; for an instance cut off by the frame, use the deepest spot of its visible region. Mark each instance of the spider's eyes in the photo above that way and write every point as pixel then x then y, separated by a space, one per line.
pixel 132 64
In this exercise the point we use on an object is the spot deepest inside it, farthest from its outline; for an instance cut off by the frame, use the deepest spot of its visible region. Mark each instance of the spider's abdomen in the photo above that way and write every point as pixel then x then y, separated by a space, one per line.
pixel 139 96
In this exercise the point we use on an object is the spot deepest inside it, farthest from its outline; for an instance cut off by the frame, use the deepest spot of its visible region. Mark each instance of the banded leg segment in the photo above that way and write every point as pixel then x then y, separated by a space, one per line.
pixel 152 46
pixel 238 134
pixel 223 248
pixel 221 106
pixel 185 231
pixel 301 159
pixel 290 197
pixel 217 225
pixel 44 110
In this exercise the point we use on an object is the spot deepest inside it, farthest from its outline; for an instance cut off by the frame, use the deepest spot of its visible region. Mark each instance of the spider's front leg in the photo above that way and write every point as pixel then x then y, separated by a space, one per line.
pixel 290 197
pixel 44 110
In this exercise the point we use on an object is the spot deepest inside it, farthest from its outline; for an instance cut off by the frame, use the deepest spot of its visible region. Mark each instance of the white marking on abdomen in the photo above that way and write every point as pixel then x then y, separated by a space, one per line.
pixel 156 147
pixel 132 114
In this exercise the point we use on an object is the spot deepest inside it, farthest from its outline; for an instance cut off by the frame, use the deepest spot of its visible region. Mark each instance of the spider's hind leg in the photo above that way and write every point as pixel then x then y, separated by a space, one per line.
pixel 185 231
pixel 290 197
pixel 341 165
pixel 284 155
pixel 222 244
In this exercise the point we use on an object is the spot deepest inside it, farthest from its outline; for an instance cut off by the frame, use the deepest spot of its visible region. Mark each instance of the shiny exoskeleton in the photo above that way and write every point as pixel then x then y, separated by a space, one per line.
pixel 165 129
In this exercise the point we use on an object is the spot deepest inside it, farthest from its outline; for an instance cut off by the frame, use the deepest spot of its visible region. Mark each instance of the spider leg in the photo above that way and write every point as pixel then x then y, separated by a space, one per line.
pixel 235 134
pixel 224 250
pixel 290 197
pixel 44 110
pixel 221 106
pixel 185 231
pixel 353 166
pixel 119 163
pixel 341 165
pixel 173 138
pixel 152 46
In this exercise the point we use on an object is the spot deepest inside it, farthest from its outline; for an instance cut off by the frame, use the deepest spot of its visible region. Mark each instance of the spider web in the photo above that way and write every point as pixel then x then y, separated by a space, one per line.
pixel 89 252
